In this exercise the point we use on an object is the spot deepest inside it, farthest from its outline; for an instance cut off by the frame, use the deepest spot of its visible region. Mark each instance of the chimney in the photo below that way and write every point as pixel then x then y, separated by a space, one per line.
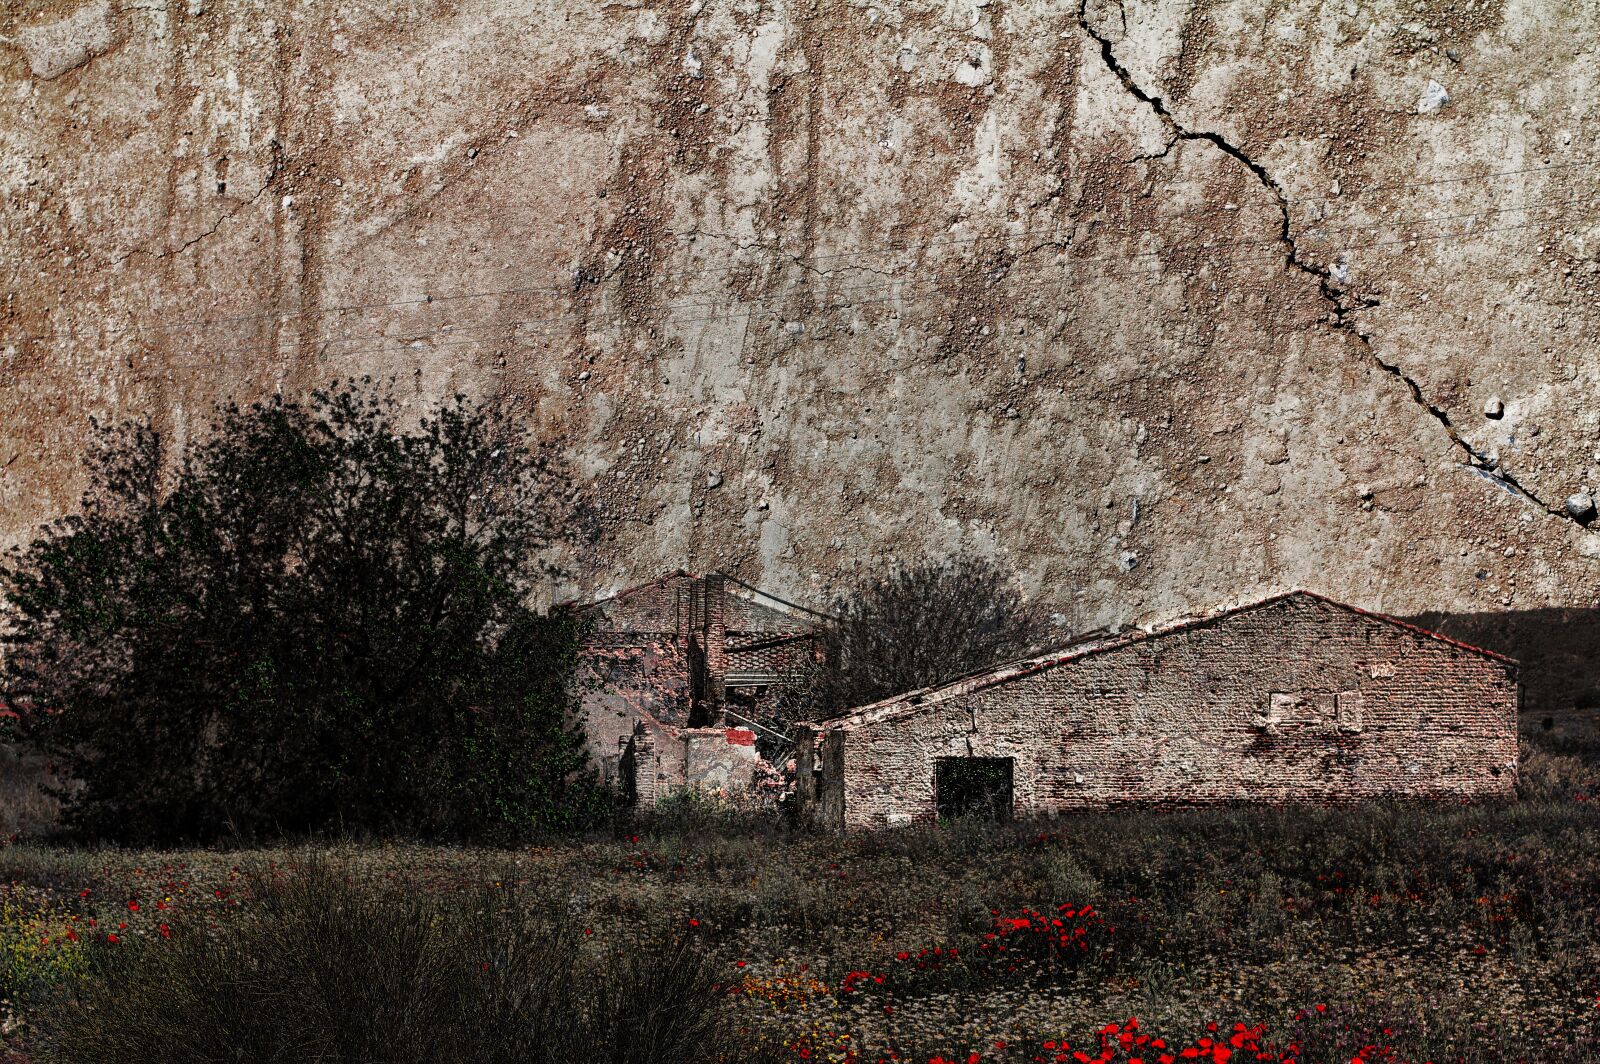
pixel 716 643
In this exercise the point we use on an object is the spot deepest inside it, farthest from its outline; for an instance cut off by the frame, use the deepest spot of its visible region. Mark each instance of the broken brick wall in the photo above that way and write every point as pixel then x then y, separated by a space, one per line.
pixel 625 680
pixel 720 760
pixel 1187 717
pixel 26 807
pixel 672 653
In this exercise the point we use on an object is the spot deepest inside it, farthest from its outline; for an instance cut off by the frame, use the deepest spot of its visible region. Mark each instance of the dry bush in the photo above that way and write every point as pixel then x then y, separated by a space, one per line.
pixel 330 972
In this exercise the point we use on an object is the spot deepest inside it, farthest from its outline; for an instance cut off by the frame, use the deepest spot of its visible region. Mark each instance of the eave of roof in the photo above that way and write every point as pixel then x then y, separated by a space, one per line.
pixel 913 702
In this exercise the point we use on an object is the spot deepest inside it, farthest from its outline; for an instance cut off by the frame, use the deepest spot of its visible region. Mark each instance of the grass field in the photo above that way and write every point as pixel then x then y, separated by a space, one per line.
pixel 1373 933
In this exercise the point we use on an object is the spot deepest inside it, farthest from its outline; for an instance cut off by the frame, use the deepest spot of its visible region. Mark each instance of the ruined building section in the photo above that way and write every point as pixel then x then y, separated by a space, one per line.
pixel 1294 698
pixel 678 673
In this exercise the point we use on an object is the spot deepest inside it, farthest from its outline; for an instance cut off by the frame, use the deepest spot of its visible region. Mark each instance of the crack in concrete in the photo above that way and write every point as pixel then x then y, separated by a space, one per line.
pixel 800 259
pixel 1162 154
pixel 222 219
pixel 1341 318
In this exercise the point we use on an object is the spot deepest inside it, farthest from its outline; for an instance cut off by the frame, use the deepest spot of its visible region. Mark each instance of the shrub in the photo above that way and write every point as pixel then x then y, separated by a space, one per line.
pixel 1064 879
pixel 694 815
pixel 913 627
pixel 312 619
pixel 327 972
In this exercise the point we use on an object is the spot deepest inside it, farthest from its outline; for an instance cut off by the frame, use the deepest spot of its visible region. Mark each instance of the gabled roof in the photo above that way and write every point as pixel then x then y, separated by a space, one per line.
pixel 915 701
pixel 767 599
pixel 631 589
pixel 733 585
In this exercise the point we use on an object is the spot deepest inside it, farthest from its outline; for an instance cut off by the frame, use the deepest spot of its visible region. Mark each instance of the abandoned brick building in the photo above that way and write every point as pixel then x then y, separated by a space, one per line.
pixel 1294 698
pixel 679 672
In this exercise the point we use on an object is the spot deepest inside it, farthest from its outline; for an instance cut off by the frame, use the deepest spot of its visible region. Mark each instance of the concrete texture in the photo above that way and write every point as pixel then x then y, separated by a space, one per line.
pixel 1293 699
pixel 1171 302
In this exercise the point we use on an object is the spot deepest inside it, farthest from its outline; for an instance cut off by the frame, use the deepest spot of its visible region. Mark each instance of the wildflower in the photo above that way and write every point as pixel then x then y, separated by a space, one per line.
pixel 112 938
pixel 133 906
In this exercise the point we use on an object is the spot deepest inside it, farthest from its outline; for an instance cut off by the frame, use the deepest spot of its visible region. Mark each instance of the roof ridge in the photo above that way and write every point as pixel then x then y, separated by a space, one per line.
pixel 1028 666
pixel 1410 627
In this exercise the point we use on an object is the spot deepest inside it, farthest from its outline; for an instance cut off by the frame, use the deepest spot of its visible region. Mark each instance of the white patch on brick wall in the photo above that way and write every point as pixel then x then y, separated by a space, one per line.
pixel 1351 708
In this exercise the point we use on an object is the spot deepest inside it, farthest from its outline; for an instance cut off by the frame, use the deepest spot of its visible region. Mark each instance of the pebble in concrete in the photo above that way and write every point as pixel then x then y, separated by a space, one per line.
pixel 1434 97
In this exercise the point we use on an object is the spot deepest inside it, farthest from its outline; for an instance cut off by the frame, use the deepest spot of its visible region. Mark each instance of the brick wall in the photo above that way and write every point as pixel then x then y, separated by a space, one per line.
pixel 644 678
pixel 719 759
pixel 1190 716
pixel 778 658
pixel 656 607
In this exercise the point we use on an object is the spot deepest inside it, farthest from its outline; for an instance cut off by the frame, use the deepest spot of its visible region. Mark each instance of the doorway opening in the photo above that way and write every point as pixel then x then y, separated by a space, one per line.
pixel 973 786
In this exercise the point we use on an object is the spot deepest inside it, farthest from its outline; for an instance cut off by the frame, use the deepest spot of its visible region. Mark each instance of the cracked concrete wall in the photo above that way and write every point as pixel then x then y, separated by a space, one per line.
pixel 1170 302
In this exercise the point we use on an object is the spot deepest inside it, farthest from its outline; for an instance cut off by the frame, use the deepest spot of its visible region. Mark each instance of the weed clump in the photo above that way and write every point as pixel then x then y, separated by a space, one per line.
pixel 329 971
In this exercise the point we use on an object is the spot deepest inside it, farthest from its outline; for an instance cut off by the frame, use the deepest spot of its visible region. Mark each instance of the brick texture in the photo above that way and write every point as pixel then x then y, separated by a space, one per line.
pixel 1292 700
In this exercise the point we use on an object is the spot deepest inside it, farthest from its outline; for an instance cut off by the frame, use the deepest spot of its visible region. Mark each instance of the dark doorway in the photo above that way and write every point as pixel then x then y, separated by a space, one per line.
pixel 973 786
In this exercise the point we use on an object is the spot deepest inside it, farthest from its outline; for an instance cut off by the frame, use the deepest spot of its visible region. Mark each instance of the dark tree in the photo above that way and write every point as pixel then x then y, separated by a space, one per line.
pixel 915 627
pixel 315 618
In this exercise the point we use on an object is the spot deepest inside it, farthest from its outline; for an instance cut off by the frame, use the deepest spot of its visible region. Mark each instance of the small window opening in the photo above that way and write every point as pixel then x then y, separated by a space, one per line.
pixel 973 787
